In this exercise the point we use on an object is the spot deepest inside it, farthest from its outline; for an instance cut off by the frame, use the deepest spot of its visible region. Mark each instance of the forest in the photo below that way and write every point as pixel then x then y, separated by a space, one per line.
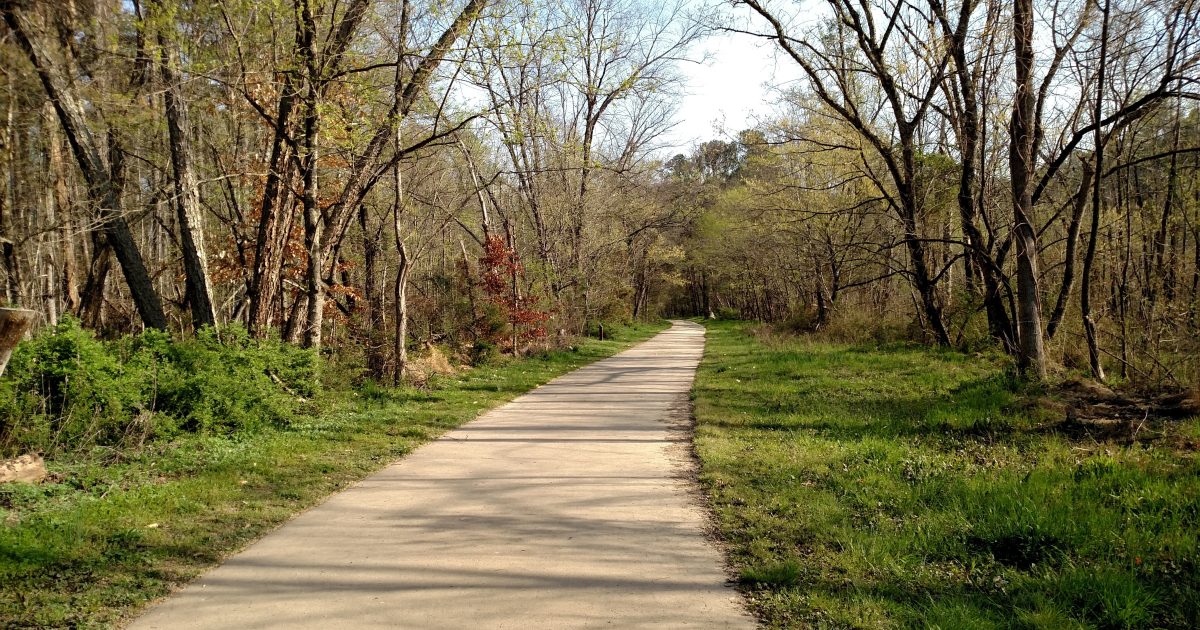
pixel 232 215
pixel 365 177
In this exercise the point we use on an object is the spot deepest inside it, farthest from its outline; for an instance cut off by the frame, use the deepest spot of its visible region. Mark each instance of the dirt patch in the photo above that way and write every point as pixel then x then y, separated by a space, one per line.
pixel 1094 411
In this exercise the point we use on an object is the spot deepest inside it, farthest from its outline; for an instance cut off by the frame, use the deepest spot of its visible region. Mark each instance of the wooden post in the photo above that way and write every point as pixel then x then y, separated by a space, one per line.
pixel 13 324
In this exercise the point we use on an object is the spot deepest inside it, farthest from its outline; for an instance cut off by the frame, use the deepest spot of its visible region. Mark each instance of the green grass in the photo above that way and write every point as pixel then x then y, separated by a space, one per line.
pixel 898 486
pixel 118 529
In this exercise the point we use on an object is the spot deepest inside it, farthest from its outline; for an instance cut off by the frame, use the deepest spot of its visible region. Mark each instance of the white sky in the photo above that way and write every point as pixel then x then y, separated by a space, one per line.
pixel 726 93
pixel 734 88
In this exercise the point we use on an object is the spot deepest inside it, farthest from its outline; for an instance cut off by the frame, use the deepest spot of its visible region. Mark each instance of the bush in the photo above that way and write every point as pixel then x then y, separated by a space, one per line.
pixel 64 387
pixel 800 322
pixel 225 381
pixel 728 313
pixel 594 327
pixel 67 391
pixel 483 352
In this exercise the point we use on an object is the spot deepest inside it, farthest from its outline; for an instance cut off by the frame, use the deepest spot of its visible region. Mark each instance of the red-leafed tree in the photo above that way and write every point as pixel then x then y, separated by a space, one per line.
pixel 501 274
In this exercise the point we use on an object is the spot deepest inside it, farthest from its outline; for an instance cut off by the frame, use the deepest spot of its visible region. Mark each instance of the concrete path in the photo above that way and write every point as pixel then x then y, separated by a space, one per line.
pixel 570 507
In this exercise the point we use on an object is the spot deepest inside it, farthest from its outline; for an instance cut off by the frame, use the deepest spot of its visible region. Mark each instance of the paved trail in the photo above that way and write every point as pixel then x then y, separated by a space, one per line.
pixel 566 508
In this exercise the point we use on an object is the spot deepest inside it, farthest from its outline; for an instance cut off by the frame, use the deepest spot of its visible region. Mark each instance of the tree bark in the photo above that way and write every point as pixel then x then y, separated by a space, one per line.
pixel 13 292
pixel 187 190
pixel 1085 298
pixel 1032 359
pixel 373 296
pixel 63 210
pixel 13 324
pixel 275 218
pixel 315 283
pixel 91 304
pixel 400 343
pixel 1078 204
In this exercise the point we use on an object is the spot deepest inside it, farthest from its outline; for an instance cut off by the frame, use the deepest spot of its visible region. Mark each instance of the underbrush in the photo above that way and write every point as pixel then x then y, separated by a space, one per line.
pixel 891 485
pixel 67 391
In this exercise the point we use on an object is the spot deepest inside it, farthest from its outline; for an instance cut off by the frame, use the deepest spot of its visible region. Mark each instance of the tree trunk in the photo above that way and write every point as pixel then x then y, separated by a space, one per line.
pixel 373 296
pixel 1032 359
pixel 62 205
pixel 13 293
pixel 1078 203
pixel 315 283
pixel 400 343
pixel 1085 298
pixel 91 305
pixel 13 324
pixel 916 250
pixel 275 218
pixel 187 191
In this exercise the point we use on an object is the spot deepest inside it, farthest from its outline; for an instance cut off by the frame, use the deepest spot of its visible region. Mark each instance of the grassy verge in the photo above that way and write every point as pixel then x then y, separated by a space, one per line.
pixel 904 487
pixel 118 530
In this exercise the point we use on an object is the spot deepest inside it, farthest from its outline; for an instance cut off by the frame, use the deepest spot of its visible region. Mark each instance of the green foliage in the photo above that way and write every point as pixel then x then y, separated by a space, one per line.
pixel 727 313
pixel 484 352
pixel 610 326
pixel 68 391
pixel 64 387
pixel 910 488
pixel 799 322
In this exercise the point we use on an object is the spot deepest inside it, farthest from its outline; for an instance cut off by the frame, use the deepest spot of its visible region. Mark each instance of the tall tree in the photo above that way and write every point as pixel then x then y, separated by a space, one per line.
pixel 1022 162
pixel 103 187
pixel 187 188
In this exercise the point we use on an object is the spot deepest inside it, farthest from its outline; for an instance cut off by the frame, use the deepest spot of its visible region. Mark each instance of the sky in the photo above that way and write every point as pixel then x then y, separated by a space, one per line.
pixel 730 91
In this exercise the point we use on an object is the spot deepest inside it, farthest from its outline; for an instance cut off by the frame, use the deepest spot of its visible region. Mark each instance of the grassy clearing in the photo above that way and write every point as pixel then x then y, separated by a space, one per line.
pixel 894 486
pixel 118 529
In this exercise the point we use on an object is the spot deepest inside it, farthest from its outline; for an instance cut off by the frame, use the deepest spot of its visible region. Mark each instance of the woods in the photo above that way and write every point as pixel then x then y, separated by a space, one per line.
pixel 949 276
pixel 957 169
pixel 367 177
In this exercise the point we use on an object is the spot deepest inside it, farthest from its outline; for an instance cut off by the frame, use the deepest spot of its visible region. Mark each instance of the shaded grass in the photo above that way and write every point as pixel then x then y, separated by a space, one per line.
pixel 118 529
pixel 898 486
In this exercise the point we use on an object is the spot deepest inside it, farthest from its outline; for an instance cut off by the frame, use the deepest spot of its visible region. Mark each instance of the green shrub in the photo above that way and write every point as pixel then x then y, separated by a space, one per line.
pixel 728 313
pixel 64 388
pixel 68 391
pixel 224 381
pixel 800 322
pixel 484 352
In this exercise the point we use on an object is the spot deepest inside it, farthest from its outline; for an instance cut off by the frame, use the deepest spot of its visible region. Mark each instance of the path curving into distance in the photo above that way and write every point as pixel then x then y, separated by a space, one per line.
pixel 569 507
